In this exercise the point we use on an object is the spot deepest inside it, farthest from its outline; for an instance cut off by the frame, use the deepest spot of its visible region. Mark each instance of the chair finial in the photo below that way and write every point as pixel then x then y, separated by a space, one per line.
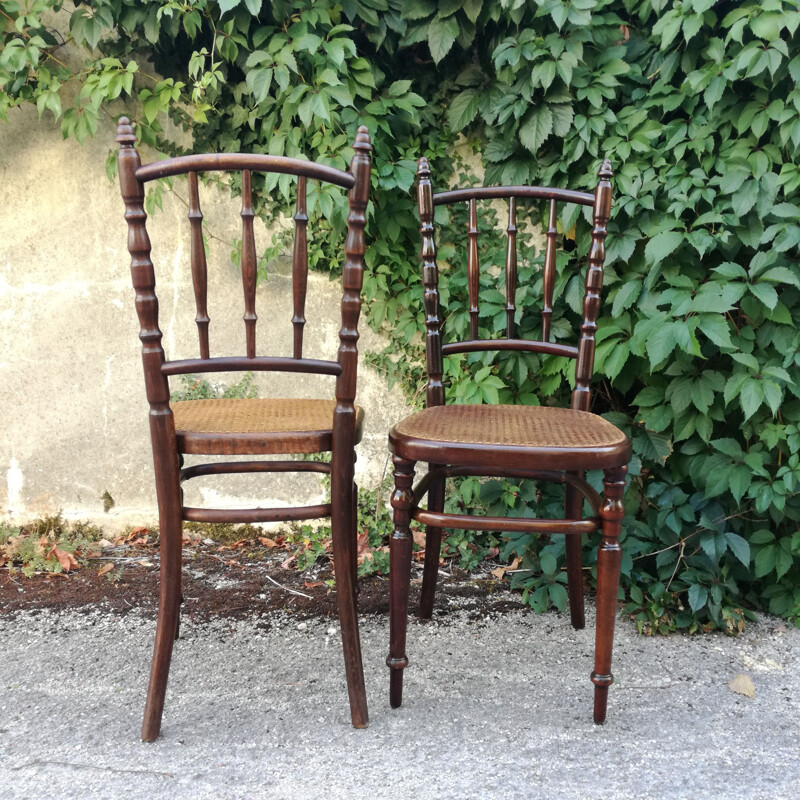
pixel 605 170
pixel 423 168
pixel 362 141
pixel 125 133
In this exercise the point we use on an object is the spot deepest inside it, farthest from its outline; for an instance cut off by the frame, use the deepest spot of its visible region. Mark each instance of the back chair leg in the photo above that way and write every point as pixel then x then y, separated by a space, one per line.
pixel 608 566
pixel 573 505
pixel 354 535
pixel 344 561
pixel 171 532
pixel 399 576
pixel 433 546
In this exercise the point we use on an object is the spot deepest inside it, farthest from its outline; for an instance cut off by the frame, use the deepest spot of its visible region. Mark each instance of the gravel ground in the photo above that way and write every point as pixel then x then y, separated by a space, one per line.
pixel 498 707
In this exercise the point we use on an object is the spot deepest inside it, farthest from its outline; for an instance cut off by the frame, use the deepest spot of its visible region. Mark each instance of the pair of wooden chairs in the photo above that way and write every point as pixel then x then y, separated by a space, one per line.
pixel 540 443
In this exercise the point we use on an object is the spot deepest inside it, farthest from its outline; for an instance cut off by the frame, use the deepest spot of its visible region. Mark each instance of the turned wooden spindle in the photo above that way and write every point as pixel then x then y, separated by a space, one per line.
pixel 249 263
pixel 473 268
pixel 549 274
pixel 300 267
pixel 430 283
pixel 511 266
pixel 584 365
pixel 199 268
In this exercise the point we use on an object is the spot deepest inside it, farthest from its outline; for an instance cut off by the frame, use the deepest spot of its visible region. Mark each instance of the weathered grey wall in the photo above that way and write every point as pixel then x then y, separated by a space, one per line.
pixel 74 416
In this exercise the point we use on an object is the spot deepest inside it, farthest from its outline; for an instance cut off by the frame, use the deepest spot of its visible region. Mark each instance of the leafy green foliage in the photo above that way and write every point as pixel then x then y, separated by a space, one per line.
pixel 697 105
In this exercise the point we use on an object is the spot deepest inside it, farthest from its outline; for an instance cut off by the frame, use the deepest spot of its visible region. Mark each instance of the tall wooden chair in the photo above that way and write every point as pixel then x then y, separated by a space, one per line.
pixel 249 426
pixel 535 442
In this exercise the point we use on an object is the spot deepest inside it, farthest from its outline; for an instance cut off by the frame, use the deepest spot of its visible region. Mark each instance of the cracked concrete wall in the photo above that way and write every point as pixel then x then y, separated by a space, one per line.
pixel 74 414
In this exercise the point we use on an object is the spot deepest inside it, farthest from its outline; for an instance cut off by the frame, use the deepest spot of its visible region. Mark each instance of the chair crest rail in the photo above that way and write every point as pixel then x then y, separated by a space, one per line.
pixel 232 162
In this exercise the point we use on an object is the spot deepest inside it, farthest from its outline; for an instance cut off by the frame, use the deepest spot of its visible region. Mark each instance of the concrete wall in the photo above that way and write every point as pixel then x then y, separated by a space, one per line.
pixel 73 423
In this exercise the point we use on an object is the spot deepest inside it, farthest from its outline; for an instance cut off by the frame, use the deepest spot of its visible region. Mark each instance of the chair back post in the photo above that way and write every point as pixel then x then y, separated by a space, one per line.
pixel 162 426
pixel 430 282
pixel 584 365
pixel 142 272
pixel 353 275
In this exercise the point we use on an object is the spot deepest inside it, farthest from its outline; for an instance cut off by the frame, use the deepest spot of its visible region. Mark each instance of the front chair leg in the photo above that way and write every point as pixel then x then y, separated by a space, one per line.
pixel 399 576
pixel 608 565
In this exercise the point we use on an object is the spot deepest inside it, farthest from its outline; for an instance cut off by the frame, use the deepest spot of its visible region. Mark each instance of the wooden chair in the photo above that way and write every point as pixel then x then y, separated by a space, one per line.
pixel 249 426
pixel 535 442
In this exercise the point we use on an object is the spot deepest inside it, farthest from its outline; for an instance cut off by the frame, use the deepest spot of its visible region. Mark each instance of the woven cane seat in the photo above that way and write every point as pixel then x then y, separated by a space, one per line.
pixel 240 426
pixel 490 435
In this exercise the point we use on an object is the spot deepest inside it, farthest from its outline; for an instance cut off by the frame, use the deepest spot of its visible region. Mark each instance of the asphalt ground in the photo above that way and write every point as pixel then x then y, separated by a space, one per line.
pixel 495 707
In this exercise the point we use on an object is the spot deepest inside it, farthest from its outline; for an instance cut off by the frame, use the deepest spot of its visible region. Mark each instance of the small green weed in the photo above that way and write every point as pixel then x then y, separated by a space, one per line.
pixel 48 545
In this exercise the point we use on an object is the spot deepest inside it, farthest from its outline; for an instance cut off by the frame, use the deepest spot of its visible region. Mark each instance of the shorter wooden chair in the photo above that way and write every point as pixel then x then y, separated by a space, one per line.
pixel 259 427
pixel 533 442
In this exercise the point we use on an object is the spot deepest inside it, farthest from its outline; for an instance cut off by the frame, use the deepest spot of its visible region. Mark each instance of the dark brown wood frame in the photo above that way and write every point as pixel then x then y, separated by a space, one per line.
pixel 451 458
pixel 168 447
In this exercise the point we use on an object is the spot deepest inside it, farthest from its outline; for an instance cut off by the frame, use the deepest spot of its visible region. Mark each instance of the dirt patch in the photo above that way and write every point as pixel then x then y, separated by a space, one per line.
pixel 236 584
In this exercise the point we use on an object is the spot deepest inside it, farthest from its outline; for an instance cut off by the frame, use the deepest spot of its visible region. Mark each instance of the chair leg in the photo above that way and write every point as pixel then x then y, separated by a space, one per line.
pixel 433 547
pixel 608 565
pixel 399 577
pixel 171 530
pixel 354 549
pixel 573 505
pixel 344 560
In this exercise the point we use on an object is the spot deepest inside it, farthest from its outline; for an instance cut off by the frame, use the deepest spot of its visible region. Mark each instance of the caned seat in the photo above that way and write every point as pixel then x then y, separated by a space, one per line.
pixel 259 427
pixel 488 436
pixel 518 442
pixel 252 426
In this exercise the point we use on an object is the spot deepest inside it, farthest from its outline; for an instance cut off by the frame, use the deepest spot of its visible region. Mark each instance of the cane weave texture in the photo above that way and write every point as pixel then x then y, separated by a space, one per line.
pixel 243 416
pixel 516 426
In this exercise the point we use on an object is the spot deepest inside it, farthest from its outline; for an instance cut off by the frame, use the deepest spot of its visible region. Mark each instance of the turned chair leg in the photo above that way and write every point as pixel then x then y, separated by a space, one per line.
pixel 573 506
pixel 171 531
pixel 608 566
pixel 433 547
pixel 399 576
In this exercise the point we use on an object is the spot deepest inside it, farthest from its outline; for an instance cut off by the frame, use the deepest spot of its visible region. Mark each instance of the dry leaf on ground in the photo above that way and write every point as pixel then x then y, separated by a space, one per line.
pixel 500 572
pixel 67 560
pixel 106 568
pixel 742 684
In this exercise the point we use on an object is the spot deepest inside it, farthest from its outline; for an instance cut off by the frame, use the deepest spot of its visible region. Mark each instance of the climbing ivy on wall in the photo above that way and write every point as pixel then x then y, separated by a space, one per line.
pixel 697 105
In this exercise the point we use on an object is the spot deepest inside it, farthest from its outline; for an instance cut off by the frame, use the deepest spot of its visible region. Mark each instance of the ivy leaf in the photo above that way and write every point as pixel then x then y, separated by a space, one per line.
pixel 716 328
pixel 739 546
pixel 463 109
pixel 227 5
pixel 253 6
pixel 662 245
pixel 626 296
pixel 442 35
pixel 698 596
pixel 751 397
pixel 537 127
pixel 765 293
pixel 660 344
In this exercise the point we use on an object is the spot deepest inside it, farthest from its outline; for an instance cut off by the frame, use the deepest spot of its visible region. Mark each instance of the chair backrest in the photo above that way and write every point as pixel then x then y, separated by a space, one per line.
pixel 133 177
pixel 583 353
